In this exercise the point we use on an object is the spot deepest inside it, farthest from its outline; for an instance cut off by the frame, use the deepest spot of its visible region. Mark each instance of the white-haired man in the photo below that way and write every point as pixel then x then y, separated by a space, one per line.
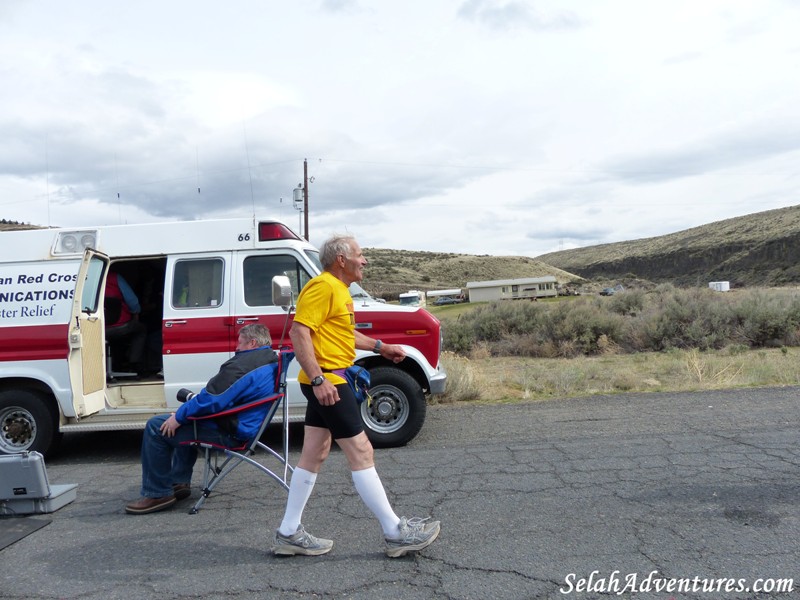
pixel 325 339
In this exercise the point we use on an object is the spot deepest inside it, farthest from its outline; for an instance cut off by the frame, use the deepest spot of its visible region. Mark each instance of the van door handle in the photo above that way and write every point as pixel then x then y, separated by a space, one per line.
pixel 171 323
pixel 240 320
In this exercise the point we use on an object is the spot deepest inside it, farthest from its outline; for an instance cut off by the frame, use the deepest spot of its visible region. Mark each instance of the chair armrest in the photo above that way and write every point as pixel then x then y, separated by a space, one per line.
pixel 238 408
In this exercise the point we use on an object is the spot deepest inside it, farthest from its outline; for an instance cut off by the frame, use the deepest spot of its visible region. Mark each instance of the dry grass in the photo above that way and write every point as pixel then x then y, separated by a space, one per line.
pixel 484 379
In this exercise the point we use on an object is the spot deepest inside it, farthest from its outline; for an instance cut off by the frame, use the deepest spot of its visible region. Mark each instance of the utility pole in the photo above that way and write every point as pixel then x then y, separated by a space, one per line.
pixel 300 195
pixel 305 194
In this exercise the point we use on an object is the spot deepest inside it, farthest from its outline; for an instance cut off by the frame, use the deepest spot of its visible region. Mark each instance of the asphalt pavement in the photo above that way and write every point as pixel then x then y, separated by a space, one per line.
pixel 630 496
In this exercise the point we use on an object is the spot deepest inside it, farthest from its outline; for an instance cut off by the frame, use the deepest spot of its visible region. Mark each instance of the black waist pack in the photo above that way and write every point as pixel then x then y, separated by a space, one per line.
pixel 358 380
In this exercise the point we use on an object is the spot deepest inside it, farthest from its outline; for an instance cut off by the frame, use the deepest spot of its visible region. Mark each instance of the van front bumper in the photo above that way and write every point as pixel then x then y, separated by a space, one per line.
pixel 438 382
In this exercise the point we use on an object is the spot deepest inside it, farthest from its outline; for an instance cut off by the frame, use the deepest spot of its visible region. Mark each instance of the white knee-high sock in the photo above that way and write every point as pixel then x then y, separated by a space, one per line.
pixel 369 487
pixel 299 492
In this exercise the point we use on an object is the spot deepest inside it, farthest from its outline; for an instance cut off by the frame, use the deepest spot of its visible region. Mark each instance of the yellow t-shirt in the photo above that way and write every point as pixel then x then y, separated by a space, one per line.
pixel 326 308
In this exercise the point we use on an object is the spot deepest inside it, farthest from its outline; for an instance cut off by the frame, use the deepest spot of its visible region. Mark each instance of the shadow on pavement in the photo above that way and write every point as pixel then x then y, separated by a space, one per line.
pixel 125 446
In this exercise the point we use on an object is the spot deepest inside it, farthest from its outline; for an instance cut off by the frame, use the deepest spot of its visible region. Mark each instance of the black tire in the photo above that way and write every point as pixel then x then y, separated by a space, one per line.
pixel 26 422
pixel 397 411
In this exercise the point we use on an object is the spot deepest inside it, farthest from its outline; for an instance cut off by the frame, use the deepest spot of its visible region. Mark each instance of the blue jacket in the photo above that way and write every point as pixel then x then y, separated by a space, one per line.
pixel 249 375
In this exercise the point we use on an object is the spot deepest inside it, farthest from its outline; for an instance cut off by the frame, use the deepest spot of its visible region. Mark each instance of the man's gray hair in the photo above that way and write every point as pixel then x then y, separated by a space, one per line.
pixel 257 332
pixel 339 243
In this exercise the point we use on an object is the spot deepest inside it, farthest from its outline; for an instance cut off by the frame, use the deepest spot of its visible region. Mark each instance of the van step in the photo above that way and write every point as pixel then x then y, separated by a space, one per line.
pixel 104 426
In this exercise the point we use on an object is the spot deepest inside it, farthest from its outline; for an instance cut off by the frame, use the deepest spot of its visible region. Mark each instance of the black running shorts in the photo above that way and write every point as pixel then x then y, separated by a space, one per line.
pixel 343 419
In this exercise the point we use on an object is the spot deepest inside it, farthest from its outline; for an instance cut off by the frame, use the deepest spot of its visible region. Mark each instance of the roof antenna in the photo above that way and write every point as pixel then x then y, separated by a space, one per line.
pixel 197 166
pixel 47 175
pixel 249 171
pixel 119 204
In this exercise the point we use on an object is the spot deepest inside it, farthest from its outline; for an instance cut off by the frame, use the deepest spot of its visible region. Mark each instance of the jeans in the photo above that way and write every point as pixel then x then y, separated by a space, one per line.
pixel 165 461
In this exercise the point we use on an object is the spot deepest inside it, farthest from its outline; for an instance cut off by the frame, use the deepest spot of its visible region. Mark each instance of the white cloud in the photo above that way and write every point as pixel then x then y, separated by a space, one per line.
pixel 510 14
pixel 477 126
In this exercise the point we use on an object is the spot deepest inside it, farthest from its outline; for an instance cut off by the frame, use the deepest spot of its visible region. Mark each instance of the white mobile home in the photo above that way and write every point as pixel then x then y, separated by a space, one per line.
pixel 512 289
pixel 452 293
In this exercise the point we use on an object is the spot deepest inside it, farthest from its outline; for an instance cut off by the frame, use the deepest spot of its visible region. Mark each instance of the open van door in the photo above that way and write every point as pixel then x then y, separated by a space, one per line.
pixel 87 358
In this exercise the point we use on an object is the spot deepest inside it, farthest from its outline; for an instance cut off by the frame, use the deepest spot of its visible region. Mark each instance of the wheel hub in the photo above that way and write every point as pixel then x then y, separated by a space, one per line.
pixel 17 429
pixel 384 409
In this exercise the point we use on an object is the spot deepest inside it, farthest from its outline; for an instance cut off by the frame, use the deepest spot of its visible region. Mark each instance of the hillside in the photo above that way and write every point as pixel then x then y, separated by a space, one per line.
pixel 391 272
pixel 6 225
pixel 758 249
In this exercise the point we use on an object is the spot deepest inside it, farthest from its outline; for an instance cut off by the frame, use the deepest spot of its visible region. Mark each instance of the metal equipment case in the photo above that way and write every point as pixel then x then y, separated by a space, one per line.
pixel 24 488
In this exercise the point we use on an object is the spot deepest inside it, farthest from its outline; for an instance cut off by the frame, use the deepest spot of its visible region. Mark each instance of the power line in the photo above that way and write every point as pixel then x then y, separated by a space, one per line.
pixel 118 189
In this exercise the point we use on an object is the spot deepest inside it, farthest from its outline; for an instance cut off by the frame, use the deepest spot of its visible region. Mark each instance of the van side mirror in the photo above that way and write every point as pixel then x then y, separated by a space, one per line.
pixel 281 291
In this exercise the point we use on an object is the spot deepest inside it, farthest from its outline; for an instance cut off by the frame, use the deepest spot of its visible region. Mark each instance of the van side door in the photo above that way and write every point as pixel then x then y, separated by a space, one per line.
pixel 87 371
pixel 197 328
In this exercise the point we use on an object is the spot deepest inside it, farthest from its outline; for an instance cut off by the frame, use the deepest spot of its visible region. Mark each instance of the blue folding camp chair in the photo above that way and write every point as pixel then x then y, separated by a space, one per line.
pixel 221 460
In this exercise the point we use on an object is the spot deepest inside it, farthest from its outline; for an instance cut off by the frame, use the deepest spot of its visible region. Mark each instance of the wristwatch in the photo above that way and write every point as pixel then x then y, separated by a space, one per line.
pixel 317 380
pixel 377 348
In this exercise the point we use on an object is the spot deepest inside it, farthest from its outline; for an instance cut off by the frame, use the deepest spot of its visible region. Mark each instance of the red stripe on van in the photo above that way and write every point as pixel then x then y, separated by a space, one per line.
pixel 198 335
pixel 34 342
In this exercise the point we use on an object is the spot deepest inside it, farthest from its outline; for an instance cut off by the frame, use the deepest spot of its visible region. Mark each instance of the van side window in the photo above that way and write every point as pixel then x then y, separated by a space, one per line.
pixel 258 274
pixel 197 283
pixel 90 300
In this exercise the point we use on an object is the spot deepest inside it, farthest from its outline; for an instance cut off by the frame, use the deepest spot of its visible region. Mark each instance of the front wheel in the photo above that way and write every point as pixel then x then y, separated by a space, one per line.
pixel 397 410
pixel 26 422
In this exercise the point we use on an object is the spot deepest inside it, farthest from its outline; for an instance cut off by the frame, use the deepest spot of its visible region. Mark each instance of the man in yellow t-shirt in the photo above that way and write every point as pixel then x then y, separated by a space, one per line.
pixel 328 313
pixel 325 340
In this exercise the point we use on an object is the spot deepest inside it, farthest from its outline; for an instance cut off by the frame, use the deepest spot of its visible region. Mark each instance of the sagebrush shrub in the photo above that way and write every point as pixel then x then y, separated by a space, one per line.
pixel 630 321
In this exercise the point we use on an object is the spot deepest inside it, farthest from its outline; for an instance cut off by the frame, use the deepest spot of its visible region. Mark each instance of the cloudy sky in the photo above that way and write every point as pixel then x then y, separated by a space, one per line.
pixel 504 127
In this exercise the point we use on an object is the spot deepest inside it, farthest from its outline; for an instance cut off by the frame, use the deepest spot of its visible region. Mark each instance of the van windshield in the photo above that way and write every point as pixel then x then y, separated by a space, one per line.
pixel 313 255
pixel 356 291
pixel 359 293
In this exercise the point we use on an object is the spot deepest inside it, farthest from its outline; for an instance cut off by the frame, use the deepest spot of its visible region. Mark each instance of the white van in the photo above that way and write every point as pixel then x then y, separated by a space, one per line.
pixel 198 282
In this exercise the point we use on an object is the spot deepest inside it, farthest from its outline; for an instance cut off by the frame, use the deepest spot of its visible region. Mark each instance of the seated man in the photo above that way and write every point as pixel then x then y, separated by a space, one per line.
pixel 122 319
pixel 166 464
